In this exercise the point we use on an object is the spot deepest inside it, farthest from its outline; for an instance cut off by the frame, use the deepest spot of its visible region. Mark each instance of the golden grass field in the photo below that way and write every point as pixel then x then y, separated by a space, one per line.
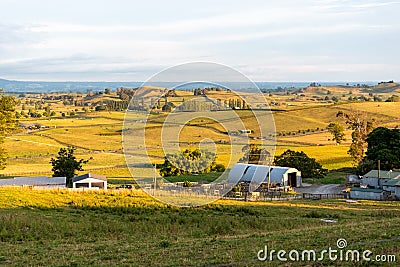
pixel 98 135
pixel 129 228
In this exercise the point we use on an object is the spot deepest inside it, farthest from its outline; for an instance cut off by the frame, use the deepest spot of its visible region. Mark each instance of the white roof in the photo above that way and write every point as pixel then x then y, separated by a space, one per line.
pixel 257 173
pixel 89 175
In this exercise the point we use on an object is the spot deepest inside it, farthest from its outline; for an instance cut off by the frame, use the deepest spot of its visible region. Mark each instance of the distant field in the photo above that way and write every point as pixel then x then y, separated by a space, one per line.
pixel 101 132
pixel 61 228
pixel 41 165
pixel 331 157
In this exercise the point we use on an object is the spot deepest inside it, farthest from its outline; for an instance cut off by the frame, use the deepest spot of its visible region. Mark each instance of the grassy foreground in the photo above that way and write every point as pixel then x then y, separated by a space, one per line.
pixel 62 228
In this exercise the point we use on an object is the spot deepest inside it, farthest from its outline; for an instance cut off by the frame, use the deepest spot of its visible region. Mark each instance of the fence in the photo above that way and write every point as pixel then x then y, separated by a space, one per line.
pixel 322 196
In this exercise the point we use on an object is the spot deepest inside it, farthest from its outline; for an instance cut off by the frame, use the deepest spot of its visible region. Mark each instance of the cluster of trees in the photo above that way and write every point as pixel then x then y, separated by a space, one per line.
pixel 125 93
pixel 36 110
pixel 255 154
pixel 190 162
pixel 361 126
pixel 300 132
pixel 199 91
pixel 236 103
pixel 116 105
pixel 309 167
pixel 7 122
pixel 368 144
pixel 383 145
pixel 195 106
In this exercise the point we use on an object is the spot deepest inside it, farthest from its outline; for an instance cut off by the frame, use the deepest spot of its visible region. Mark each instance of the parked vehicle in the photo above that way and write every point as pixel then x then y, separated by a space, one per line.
pixel 125 186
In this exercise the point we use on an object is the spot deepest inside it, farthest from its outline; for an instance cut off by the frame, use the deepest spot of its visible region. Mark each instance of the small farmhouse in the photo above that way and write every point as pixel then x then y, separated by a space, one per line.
pixel 283 176
pixel 377 179
pixel 35 182
pixel 90 180
pixel 368 193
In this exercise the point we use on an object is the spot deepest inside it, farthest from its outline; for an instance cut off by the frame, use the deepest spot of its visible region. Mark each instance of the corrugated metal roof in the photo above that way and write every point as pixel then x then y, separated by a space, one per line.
pixel 33 181
pixel 366 190
pixel 257 173
pixel 382 174
pixel 392 182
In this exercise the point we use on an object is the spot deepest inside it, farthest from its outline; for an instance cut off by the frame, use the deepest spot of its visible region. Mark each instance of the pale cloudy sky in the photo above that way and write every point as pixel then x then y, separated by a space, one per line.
pixel 285 40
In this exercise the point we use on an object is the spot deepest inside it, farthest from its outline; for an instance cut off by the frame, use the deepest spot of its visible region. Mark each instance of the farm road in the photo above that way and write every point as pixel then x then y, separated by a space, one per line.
pixel 320 189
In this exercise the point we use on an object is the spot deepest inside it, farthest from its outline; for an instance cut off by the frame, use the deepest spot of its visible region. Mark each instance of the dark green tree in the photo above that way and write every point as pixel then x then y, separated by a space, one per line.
pixel 383 145
pixel 66 164
pixel 337 131
pixel 189 162
pixel 309 167
pixel 254 154
pixel 7 122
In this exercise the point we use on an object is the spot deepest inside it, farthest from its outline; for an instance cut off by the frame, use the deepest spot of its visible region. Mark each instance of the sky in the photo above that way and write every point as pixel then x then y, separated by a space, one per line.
pixel 285 40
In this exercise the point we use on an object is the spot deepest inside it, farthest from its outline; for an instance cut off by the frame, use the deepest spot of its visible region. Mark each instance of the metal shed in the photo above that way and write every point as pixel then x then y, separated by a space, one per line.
pixel 392 186
pixel 367 193
pixel 37 182
pixel 90 180
pixel 283 176
pixel 371 178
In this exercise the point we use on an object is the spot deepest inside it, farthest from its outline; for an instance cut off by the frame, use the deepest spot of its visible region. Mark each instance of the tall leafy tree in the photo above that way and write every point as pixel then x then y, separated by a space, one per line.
pixel 254 154
pixel 337 131
pixel 309 167
pixel 7 122
pixel 189 162
pixel 361 126
pixel 66 164
pixel 383 145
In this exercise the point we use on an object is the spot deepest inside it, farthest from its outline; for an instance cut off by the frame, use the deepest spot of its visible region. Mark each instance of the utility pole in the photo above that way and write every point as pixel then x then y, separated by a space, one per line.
pixel 379 172
pixel 155 179
pixel 269 173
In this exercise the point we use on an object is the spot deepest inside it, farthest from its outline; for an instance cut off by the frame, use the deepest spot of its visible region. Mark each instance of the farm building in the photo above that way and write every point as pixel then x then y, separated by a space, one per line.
pixel 392 186
pixel 371 178
pixel 168 107
pixel 90 180
pixel 35 182
pixel 283 176
pixel 367 193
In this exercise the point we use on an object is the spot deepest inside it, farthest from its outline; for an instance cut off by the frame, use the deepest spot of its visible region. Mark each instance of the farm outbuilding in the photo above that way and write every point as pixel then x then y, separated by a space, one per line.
pixel 377 178
pixel 392 186
pixel 35 182
pixel 168 107
pixel 90 180
pixel 283 176
pixel 368 193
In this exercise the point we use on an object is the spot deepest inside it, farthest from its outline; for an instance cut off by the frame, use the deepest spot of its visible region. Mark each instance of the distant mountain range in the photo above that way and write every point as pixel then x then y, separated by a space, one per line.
pixel 38 87
pixel 47 87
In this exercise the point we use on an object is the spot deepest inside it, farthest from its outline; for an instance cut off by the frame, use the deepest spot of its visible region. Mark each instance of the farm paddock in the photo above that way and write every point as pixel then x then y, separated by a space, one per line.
pixel 128 228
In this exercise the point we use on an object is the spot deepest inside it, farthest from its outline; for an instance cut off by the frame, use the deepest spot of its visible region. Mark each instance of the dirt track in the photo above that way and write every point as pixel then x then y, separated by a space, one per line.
pixel 320 189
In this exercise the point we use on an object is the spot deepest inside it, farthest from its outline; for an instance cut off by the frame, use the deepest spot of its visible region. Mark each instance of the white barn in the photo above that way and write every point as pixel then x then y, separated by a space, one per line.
pixel 90 180
pixel 35 182
pixel 284 176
